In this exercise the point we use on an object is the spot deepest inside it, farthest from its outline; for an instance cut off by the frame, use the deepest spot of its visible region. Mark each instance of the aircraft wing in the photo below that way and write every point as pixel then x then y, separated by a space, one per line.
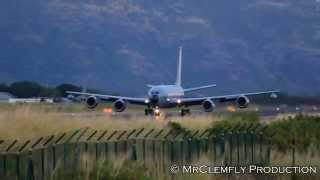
pixel 110 98
pixel 199 88
pixel 223 98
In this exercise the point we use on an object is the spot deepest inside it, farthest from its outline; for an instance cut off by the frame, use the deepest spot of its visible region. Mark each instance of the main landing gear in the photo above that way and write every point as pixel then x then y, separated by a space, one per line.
pixel 184 112
pixel 148 111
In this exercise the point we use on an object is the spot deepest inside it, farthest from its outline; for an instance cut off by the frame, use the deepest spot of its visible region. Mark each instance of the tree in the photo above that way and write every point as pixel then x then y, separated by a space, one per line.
pixel 67 87
pixel 25 89
pixel 49 92
pixel 4 88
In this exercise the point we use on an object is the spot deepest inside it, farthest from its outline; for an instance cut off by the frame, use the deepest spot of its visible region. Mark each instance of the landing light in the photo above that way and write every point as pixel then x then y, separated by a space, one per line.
pixel 274 95
pixel 107 110
pixel 179 101
pixel 157 111
pixel 314 108
pixel 147 101
pixel 231 109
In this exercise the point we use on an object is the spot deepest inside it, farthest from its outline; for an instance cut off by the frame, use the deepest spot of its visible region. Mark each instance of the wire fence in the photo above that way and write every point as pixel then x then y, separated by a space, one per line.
pixel 38 159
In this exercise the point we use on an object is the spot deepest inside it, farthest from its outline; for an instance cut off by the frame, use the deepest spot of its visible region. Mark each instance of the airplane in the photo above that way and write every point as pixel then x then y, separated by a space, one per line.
pixel 81 98
pixel 169 96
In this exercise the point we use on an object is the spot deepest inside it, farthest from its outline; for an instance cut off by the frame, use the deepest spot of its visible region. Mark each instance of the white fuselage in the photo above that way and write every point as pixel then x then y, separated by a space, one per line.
pixel 165 95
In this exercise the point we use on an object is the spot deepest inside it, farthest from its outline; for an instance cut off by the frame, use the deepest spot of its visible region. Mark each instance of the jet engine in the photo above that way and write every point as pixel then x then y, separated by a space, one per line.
pixel 92 102
pixel 119 105
pixel 208 105
pixel 243 101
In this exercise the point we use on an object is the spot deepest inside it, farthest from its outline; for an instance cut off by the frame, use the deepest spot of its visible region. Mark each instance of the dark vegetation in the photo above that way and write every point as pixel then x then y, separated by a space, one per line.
pixel 29 89
pixel 176 127
pixel 301 132
pixel 262 43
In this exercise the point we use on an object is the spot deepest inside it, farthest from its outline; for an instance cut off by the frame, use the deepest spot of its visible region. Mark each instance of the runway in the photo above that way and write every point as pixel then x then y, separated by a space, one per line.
pixel 264 112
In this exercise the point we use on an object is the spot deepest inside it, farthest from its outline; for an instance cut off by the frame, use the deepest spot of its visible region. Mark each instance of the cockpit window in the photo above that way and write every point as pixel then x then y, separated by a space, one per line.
pixel 155 92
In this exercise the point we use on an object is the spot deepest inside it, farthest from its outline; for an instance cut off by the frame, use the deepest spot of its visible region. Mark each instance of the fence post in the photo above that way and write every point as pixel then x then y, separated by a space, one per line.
pixel 42 163
pixel 181 152
pixel 230 137
pixel 4 165
pixel 293 151
pixel 189 147
pixel 144 151
pixel 252 148
pixel 18 165
pixel 163 159
pixel 54 156
pixel 269 143
pixel 245 146
pixel 171 152
pixel 133 155
pixel 226 145
pixel 198 146
pixel 86 154
pixel 269 152
pixel 96 152
pixel 153 150
pixel 30 172
pixel 261 147
pixel 116 149
pixel 238 147
pixel 214 148
pixel 106 150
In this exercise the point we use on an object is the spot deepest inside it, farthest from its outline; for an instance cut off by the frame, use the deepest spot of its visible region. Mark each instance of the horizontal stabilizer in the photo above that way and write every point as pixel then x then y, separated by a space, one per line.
pixel 199 88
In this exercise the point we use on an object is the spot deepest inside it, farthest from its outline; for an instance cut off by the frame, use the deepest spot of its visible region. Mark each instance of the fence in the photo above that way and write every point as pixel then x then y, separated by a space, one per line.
pixel 38 159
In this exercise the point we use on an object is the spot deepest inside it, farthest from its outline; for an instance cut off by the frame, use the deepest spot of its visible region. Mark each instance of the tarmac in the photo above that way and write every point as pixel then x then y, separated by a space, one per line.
pixel 265 112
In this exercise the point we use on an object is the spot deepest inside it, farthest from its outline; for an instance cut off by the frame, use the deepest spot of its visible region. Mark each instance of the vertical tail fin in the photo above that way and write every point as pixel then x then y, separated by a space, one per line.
pixel 178 81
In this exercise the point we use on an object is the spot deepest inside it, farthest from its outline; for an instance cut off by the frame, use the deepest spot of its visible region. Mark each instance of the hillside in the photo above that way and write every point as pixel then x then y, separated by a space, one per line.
pixel 116 44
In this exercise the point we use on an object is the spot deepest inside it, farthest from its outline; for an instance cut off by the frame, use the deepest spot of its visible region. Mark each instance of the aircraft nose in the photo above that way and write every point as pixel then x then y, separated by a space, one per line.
pixel 154 99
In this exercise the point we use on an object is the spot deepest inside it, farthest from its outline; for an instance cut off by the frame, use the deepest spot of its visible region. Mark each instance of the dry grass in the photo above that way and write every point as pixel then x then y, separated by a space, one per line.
pixel 29 121
pixel 26 122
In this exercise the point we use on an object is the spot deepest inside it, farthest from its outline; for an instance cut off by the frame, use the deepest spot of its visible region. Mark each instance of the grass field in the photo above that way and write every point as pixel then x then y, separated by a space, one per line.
pixel 23 122
pixel 27 121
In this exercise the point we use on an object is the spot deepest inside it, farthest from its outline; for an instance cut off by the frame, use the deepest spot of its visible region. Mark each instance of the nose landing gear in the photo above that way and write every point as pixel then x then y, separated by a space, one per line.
pixel 157 112
pixel 150 111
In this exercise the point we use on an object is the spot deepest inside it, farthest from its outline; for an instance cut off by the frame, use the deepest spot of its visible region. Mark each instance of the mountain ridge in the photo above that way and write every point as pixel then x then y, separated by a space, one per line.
pixel 117 44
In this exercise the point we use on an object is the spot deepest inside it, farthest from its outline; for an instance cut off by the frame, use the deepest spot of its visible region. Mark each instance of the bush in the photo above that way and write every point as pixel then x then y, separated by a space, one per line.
pixel 300 131
pixel 176 126
pixel 237 121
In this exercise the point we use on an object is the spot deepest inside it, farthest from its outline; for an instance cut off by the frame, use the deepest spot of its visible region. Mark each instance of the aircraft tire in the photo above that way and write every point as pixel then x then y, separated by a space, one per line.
pixel 185 112
pixel 148 112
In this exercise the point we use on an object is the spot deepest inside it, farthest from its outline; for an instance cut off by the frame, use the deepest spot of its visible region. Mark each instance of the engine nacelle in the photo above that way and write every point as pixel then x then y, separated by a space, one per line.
pixel 92 102
pixel 243 101
pixel 120 105
pixel 208 105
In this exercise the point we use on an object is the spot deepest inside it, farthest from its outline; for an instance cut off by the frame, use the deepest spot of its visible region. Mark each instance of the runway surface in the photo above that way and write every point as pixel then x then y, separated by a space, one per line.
pixel 265 112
